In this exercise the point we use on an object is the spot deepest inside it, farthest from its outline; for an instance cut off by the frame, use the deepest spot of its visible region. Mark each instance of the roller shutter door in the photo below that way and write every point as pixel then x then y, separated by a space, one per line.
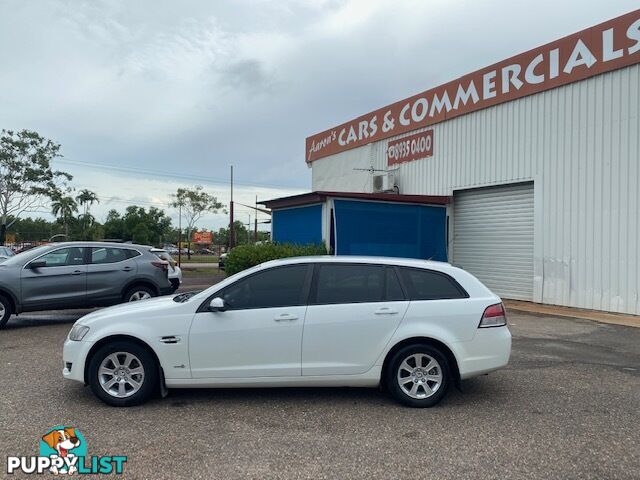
pixel 493 238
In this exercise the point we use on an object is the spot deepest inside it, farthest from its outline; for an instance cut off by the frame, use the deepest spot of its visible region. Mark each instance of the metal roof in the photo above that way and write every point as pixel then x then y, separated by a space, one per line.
pixel 320 197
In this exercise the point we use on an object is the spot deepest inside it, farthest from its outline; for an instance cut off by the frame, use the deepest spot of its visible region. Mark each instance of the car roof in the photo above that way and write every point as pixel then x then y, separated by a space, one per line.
pixel 100 244
pixel 408 262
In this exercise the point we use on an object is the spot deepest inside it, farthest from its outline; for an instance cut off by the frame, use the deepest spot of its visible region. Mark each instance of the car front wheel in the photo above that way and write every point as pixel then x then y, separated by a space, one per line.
pixel 418 375
pixel 6 310
pixel 123 374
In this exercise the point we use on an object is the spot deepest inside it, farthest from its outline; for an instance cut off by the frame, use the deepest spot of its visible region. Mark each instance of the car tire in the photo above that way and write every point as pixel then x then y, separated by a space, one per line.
pixel 137 293
pixel 6 310
pixel 418 375
pixel 142 370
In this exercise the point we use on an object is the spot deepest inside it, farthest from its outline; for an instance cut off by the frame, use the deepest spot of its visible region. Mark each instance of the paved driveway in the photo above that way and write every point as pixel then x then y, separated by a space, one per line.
pixel 568 407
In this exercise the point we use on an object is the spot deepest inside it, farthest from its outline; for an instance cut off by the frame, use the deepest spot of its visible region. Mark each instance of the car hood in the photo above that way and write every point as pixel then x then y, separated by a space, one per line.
pixel 130 309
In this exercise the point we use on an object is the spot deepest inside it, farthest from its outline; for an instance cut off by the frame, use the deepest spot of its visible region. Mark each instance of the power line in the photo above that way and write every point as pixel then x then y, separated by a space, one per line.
pixel 173 175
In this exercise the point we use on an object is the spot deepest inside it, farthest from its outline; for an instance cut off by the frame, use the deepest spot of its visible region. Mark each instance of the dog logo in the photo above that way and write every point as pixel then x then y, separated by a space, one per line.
pixel 64 446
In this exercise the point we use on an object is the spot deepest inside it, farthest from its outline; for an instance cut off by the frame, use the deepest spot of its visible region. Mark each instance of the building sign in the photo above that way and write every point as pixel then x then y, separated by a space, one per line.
pixel 410 148
pixel 605 47
pixel 202 237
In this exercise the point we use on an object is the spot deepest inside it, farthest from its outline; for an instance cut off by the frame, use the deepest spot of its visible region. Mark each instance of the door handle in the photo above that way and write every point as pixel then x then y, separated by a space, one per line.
pixel 127 269
pixel 285 317
pixel 77 272
pixel 385 311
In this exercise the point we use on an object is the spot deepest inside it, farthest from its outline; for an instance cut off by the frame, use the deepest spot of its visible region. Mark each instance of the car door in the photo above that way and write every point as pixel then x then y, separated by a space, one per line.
pixel 354 309
pixel 60 283
pixel 260 332
pixel 109 271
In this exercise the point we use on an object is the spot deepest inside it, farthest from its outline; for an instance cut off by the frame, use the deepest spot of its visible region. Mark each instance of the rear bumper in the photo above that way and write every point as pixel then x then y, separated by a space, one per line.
pixel 488 351
pixel 166 290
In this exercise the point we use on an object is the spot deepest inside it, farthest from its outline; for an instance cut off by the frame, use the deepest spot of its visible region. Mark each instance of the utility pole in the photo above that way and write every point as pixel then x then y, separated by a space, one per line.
pixel 255 227
pixel 179 234
pixel 231 230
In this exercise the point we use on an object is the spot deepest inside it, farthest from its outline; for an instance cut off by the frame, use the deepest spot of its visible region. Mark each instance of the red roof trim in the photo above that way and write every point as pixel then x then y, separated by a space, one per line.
pixel 320 197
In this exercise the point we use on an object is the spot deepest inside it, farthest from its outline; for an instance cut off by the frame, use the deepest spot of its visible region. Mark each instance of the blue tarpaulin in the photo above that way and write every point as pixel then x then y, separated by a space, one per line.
pixel 301 225
pixel 390 229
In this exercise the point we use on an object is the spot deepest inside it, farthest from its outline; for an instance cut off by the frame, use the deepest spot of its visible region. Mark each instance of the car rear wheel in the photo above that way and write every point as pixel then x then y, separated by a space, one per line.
pixel 123 374
pixel 135 294
pixel 6 310
pixel 418 375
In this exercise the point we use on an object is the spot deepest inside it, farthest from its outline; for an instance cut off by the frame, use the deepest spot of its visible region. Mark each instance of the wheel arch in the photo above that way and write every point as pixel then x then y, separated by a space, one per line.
pixel 419 340
pixel 114 338
pixel 11 297
pixel 140 282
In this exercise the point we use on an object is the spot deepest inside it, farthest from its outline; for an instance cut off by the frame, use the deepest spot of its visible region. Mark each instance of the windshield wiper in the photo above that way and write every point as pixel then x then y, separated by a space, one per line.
pixel 183 297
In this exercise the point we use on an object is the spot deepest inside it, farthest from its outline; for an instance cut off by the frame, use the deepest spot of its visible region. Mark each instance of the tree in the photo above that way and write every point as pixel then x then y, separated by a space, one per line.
pixel 64 208
pixel 29 229
pixel 138 224
pixel 240 231
pixel 27 181
pixel 86 198
pixel 114 226
pixel 193 204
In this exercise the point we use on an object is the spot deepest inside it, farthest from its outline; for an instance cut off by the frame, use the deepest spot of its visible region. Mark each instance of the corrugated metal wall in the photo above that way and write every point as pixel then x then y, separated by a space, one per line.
pixel 493 237
pixel 580 144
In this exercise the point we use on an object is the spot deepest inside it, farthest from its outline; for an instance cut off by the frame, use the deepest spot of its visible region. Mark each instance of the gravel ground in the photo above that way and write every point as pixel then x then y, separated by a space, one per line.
pixel 567 407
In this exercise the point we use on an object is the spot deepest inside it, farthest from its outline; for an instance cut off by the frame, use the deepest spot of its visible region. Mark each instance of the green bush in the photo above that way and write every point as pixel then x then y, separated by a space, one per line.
pixel 246 256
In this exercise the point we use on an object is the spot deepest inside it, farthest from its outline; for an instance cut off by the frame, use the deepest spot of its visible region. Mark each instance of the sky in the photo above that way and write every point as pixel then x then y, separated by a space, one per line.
pixel 152 95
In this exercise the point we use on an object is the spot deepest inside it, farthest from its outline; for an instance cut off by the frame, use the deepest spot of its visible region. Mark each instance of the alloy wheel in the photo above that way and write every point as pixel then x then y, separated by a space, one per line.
pixel 121 374
pixel 419 376
pixel 139 295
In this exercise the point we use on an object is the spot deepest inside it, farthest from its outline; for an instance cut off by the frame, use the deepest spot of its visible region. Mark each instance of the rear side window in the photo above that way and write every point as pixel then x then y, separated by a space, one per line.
pixel 355 283
pixel 276 287
pixel 101 255
pixel 430 285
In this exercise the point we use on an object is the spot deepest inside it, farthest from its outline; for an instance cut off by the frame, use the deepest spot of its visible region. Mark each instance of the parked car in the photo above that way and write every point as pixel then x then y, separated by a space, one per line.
pixel 5 252
pixel 78 275
pixel 175 273
pixel 222 260
pixel 205 251
pixel 415 326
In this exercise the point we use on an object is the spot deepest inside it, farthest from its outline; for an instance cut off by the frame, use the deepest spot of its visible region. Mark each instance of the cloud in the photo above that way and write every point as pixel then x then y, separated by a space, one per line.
pixel 197 86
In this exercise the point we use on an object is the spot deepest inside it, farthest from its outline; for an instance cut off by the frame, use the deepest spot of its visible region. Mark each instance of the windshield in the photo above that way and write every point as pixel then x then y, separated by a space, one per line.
pixel 25 256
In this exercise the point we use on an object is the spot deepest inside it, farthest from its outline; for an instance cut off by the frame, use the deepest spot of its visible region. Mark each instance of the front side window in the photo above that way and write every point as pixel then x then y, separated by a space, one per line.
pixel 276 287
pixel 355 283
pixel 430 285
pixel 63 257
pixel 101 255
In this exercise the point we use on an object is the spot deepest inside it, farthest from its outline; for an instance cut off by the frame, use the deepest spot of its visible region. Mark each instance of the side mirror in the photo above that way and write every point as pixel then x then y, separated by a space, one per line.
pixel 217 305
pixel 37 264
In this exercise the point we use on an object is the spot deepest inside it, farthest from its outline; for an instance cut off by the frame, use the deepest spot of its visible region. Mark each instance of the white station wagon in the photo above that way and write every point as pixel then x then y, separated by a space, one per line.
pixel 414 326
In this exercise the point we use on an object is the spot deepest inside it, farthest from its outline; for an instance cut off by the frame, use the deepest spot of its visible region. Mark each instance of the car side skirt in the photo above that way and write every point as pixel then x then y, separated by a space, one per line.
pixel 368 379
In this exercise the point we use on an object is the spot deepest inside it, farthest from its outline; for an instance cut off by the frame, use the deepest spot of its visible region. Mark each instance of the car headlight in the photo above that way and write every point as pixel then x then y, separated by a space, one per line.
pixel 78 332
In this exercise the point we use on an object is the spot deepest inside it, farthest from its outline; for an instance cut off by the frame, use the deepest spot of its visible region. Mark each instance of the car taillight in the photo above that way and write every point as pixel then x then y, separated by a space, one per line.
pixel 162 265
pixel 493 316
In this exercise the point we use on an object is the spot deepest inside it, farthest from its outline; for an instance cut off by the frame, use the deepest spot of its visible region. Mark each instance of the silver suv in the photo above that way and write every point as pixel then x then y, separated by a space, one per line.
pixel 79 274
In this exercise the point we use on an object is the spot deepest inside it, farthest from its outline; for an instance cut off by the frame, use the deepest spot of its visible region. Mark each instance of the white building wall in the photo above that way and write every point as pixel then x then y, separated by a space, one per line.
pixel 580 144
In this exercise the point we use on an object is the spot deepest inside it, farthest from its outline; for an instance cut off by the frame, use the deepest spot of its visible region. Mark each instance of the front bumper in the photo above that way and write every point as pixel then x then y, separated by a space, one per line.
pixel 74 356
pixel 488 351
